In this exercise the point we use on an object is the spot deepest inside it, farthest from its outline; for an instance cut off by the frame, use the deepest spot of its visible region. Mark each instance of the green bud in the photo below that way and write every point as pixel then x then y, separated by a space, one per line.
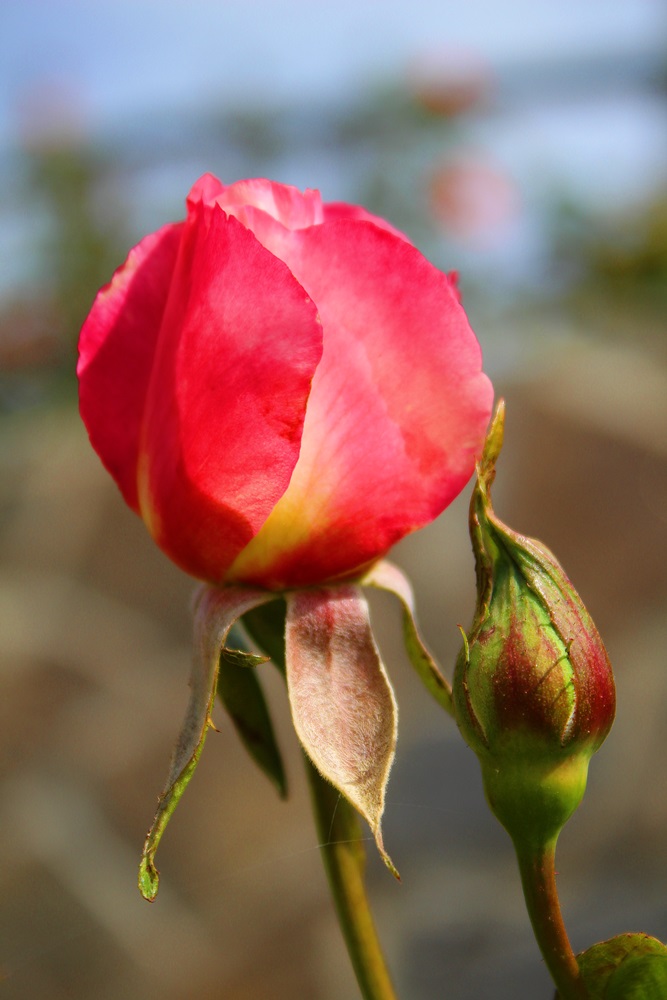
pixel 533 689
pixel 626 967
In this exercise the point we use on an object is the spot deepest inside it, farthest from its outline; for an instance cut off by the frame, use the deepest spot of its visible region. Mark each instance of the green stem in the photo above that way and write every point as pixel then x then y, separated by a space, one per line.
pixel 343 855
pixel 339 833
pixel 538 878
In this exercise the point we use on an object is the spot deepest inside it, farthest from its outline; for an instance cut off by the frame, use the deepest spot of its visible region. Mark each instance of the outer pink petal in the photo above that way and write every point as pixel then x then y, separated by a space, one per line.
pixel 278 238
pixel 232 375
pixel 271 233
pixel 397 414
pixel 336 211
pixel 207 188
pixel 116 349
pixel 294 209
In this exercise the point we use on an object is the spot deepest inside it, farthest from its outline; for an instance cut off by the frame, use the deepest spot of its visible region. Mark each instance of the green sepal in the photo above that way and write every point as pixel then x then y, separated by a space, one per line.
pixel 266 626
pixel 626 967
pixel 384 575
pixel 216 610
pixel 149 876
pixel 241 693
pixel 642 977
pixel 533 688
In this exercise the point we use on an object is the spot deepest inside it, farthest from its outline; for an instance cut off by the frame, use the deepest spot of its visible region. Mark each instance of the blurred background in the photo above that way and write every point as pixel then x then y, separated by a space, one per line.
pixel 522 144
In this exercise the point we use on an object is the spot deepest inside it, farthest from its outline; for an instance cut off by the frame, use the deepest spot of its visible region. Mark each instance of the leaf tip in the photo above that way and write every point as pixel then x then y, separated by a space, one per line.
pixel 149 879
pixel 492 446
pixel 390 865
pixel 385 857
pixel 283 791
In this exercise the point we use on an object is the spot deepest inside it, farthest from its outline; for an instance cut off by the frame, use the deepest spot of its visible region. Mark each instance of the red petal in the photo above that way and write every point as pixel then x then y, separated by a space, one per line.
pixel 397 414
pixel 292 208
pixel 231 378
pixel 116 349
pixel 335 211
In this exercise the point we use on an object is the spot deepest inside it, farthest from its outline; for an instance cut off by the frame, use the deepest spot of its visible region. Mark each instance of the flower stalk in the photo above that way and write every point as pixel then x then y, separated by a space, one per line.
pixel 343 856
pixel 534 698
pixel 339 835
pixel 538 880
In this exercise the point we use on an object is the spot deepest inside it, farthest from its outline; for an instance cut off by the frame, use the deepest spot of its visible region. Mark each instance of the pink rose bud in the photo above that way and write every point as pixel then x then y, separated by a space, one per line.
pixel 282 388
pixel 533 688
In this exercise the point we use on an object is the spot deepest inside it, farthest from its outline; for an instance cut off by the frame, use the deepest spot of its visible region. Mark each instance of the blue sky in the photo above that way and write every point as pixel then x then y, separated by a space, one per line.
pixel 126 59
pixel 133 56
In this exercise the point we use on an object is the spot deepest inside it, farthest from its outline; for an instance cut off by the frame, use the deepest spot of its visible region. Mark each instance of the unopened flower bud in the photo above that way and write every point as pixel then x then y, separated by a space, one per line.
pixel 533 689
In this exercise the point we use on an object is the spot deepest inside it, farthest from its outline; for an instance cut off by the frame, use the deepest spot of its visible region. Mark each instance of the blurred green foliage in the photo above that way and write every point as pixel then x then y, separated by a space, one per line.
pixel 81 242
pixel 616 269
pixel 384 148
pixel 83 245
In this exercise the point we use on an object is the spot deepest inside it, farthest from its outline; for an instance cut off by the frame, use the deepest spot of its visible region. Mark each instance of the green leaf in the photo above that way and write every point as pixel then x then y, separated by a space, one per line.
pixel 216 610
pixel 266 626
pixel 241 693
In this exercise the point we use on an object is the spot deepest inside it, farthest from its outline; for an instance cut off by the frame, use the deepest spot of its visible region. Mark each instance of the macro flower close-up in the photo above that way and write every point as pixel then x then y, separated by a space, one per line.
pixel 281 388
pixel 284 286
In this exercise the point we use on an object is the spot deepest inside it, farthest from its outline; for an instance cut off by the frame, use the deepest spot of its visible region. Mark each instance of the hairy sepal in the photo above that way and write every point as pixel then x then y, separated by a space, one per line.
pixel 342 704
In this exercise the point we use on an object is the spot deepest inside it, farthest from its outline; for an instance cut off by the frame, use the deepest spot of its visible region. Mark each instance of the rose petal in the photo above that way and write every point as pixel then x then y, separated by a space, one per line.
pixel 337 210
pixel 116 349
pixel 292 208
pixel 342 704
pixel 231 377
pixel 216 611
pixel 397 413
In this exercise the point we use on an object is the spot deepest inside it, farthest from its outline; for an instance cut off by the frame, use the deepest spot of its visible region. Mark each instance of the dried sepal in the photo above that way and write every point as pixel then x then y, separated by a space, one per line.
pixel 342 704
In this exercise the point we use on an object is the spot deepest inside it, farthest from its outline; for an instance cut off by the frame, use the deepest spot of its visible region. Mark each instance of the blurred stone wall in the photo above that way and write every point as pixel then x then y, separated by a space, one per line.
pixel 94 658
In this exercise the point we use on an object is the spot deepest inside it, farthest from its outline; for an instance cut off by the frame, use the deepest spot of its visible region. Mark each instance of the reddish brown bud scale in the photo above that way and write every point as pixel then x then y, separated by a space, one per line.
pixel 593 678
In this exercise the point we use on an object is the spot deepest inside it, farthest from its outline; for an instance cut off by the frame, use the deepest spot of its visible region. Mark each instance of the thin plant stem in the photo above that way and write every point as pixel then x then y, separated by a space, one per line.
pixel 340 838
pixel 538 878
pixel 343 856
